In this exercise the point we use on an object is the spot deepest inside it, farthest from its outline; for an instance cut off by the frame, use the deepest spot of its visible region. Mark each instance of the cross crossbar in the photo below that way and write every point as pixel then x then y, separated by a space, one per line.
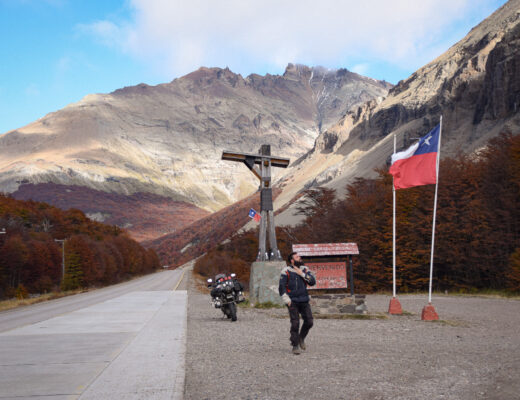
pixel 242 157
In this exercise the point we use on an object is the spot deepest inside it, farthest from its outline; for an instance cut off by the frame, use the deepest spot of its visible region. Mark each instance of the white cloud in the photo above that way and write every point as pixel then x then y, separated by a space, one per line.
pixel 178 36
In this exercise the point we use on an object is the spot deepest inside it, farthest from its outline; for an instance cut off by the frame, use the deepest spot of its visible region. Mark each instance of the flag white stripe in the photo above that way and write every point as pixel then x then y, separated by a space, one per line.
pixel 405 153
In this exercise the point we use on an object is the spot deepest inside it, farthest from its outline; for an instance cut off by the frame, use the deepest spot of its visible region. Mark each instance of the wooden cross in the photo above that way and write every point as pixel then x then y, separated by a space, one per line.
pixel 265 161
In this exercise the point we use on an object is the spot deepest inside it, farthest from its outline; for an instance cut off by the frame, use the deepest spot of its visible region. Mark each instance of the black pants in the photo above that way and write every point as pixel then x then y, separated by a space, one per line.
pixel 295 309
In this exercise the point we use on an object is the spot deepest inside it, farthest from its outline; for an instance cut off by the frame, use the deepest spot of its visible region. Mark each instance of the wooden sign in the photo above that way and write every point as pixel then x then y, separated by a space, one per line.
pixel 326 249
pixel 329 275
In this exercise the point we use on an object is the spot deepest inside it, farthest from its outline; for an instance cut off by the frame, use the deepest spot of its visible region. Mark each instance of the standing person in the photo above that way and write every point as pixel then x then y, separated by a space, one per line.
pixel 293 289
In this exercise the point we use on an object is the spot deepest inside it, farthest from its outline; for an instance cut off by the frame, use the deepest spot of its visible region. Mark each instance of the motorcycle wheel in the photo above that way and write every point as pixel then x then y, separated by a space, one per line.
pixel 225 310
pixel 233 311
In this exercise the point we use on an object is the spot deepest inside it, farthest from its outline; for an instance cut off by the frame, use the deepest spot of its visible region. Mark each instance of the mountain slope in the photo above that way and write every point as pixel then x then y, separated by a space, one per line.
pixel 144 215
pixel 167 139
pixel 475 86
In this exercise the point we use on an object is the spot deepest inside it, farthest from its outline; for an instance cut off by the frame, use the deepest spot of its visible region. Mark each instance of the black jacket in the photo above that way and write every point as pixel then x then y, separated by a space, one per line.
pixel 293 287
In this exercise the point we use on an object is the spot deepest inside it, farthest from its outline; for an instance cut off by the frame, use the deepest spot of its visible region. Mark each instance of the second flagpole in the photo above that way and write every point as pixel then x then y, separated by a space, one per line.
pixel 428 312
pixel 393 229
pixel 395 305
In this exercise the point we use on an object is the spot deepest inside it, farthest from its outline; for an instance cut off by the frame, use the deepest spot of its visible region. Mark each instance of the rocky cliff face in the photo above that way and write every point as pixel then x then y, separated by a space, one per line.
pixel 475 86
pixel 168 139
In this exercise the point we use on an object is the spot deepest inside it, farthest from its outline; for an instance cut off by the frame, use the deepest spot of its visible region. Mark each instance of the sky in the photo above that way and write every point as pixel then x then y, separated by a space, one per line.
pixel 55 52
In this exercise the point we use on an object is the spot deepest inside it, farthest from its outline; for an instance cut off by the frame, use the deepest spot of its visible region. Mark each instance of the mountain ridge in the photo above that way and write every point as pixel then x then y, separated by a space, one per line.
pixel 475 85
pixel 167 139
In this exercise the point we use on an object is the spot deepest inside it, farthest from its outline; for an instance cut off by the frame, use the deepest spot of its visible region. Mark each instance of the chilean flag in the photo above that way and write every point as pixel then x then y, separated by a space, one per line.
pixel 253 214
pixel 417 165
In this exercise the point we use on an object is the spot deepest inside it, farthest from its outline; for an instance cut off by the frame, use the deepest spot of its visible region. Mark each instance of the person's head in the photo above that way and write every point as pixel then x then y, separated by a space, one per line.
pixel 294 258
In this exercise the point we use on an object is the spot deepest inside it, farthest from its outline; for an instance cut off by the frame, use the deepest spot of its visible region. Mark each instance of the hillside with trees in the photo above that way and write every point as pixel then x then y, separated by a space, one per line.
pixel 477 232
pixel 95 254
pixel 190 242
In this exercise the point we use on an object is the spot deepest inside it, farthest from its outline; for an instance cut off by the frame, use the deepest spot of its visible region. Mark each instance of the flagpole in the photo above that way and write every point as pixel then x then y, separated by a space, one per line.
pixel 393 228
pixel 394 306
pixel 435 211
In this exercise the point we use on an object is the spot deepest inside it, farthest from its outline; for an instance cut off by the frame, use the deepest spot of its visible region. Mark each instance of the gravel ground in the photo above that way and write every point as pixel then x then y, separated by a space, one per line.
pixel 473 353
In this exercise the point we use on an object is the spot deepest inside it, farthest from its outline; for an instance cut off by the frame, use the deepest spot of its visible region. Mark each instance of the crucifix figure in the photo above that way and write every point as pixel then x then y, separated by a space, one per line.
pixel 265 161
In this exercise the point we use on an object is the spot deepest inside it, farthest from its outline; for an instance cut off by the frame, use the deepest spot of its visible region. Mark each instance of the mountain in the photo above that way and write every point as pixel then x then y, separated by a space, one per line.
pixel 167 139
pixel 475 86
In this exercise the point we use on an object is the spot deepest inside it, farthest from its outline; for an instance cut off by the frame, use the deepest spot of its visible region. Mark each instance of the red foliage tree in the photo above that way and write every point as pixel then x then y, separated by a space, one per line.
pixel 477 230
pixel 96 254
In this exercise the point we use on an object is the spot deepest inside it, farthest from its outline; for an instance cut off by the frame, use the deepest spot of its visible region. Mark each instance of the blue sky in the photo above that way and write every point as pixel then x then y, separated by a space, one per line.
pixel 54 52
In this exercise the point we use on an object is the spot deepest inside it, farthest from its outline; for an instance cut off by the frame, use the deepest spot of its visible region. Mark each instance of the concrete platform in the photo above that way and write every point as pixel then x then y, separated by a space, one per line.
pixel 263 282
pixel 130 347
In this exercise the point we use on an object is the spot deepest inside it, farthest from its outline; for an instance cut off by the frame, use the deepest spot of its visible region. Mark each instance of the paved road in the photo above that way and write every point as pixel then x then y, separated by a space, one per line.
pixel 14 318
pixel 123 342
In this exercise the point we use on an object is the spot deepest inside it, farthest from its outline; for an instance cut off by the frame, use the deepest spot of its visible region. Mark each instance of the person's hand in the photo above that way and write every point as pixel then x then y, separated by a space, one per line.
pixel 299 271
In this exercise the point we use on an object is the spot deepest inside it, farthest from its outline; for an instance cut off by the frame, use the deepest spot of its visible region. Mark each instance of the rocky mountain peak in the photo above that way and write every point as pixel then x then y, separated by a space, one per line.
pixel 207 76
pixel 310 75
pixel 297 72
pixel 167 139
pixel 140 89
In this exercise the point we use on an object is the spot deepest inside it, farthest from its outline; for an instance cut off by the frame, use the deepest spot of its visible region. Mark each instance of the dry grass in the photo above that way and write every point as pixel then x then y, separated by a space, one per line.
pixel 404 314
pixel 483 293
pixel 14 303
pixel 350 316
pixel 487 294
pixel 199 282
pixel 268 305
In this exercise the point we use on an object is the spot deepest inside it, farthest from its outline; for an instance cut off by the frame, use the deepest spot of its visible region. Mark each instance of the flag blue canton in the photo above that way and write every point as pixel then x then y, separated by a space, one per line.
pixel 253 214
pixel 430 142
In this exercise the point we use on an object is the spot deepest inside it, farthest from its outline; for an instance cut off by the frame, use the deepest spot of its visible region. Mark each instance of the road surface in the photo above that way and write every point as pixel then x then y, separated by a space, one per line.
pixel 126 341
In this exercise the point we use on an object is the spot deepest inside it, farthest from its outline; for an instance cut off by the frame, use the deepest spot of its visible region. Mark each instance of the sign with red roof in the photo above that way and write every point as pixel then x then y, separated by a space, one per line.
pixel 326 249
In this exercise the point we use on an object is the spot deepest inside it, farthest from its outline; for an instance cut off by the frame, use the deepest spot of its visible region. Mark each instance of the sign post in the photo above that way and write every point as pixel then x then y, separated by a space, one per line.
pixel 351 276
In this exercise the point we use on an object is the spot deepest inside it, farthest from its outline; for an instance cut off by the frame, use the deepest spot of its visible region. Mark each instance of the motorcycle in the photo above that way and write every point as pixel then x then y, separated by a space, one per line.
pixel 226 292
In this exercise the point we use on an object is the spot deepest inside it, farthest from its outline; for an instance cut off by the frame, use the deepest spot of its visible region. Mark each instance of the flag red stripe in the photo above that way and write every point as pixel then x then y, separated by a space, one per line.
pixel 414 171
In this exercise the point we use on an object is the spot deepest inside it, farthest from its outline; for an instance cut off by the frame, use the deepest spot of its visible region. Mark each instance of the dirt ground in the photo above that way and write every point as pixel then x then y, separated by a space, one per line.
pixel 472 353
